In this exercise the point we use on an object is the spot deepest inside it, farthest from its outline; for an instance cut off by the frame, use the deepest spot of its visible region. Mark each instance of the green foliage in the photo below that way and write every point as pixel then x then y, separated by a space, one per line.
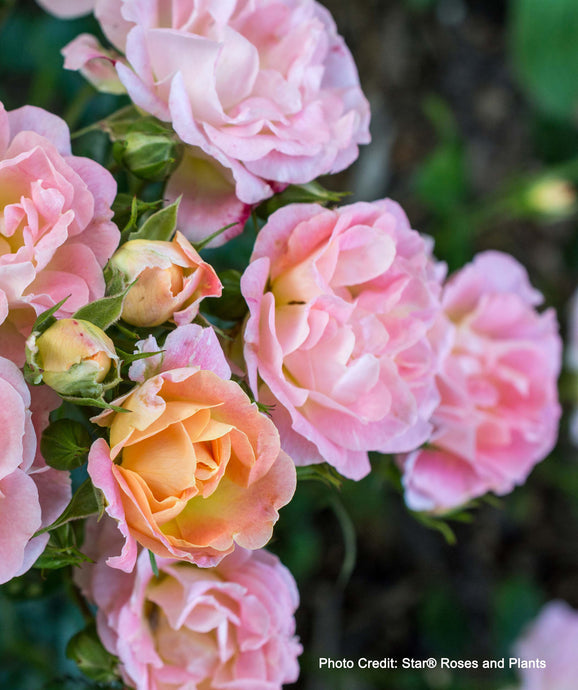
pixel 349 536
pixel 441 184
pixel 129 210
pixel 544 36
pixel 517 600
pixel 154 566
pixel 92 658
pixel 441 180
pixel 323 472
pixel 61 550
pixel 160 225
pixel 420 5
pixel 87 501
pixel 103 312
pixel 310 193
pixel 65 444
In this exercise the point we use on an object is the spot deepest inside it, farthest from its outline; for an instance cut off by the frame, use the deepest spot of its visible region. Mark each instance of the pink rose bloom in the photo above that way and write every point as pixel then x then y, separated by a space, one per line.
pixel 341 306
pixel 67 9
pixel 32 495
pixel 55 227
pixel 572 362
pixel 552 638
pixel 265 94
pixel 226 627
pixel 499 411
pixel 193 467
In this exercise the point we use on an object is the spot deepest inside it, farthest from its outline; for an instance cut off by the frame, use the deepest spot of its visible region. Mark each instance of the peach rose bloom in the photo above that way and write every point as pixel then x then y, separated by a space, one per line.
pixel 172 279
pixel 193 467
pixel 499 410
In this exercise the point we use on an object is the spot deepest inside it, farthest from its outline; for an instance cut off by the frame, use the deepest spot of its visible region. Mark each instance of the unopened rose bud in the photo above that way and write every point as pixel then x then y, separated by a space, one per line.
pixel 171 280
pixel 74 357
pixel 149 156
pixel 552 197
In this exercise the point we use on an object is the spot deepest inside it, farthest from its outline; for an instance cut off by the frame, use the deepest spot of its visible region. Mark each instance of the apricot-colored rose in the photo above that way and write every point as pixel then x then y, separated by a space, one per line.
pixel 194 467
pixel 171 280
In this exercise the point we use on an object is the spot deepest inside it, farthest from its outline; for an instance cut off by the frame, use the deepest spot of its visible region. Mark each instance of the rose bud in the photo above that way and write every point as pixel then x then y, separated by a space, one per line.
pixel 73 356
pixel 150 156
pixel 171 280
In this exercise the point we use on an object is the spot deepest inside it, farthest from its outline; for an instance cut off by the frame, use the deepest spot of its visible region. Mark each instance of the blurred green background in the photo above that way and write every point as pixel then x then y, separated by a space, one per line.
pixel 475 133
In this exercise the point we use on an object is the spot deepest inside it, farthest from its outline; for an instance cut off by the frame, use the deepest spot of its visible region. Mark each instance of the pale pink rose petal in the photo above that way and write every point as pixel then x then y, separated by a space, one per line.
pixel 68 9
pixel 4 130
pixel 208 198
pixel 571 358
pixel 20 518
pixel 29 118
pixel 95 63
pixel 100 469
pixel 550 639
pixel 194 346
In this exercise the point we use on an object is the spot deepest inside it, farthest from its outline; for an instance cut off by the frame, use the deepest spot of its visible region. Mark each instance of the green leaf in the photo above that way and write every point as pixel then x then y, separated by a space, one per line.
pixel 160 226
pixel 83 504
pixel 312 192
pixel 104 312
pixel 65 444
pixel 86 649
pixel 544 36
pixel 128 358
pixel 441 182
pixel 127 210
pixel 46 319
pixel 321 473
pixel 93 402
pixel 154 566
pixel 437 524
pixel 55 557
pixel 116 281
pixel 349 540
pixel 199 246
pixel 61 550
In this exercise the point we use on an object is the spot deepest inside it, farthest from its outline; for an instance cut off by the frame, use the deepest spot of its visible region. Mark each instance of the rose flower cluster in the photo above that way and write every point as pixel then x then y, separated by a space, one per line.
pixel 353 339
